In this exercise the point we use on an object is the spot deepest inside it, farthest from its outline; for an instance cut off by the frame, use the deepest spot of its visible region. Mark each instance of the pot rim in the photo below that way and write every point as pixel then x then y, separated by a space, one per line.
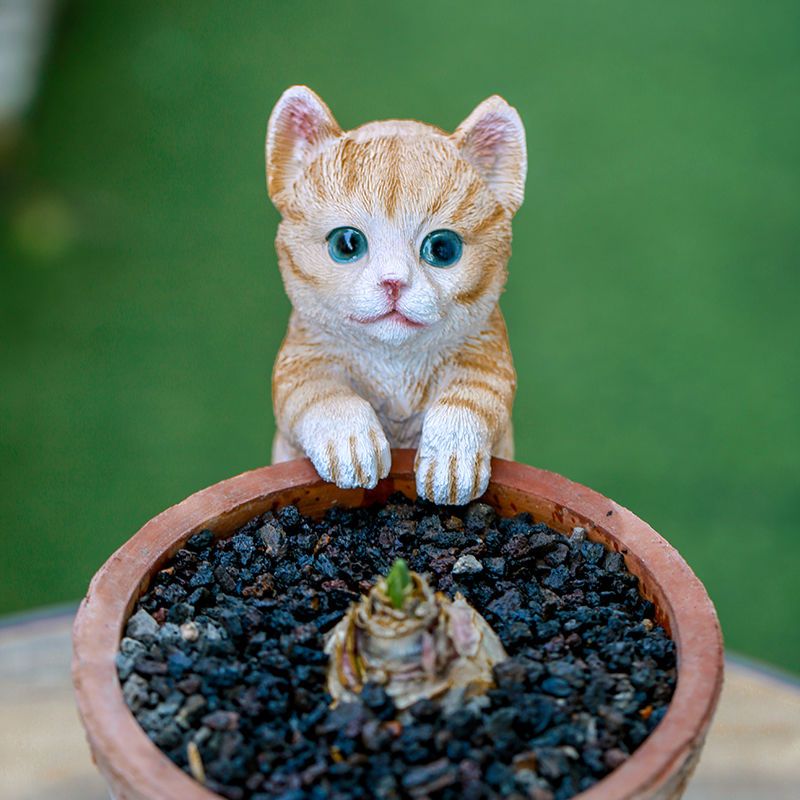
pixel 128 758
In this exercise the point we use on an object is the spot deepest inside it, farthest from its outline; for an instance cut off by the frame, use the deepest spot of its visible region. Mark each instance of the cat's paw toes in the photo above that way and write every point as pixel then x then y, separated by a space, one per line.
pixel 452 476
pixel 354 460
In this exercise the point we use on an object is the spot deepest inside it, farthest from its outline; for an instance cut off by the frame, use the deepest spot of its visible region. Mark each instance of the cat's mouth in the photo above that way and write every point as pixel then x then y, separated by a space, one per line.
pixel 390 316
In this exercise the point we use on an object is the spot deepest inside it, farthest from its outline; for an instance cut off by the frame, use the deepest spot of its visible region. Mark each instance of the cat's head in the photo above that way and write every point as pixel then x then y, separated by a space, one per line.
pixel 395 228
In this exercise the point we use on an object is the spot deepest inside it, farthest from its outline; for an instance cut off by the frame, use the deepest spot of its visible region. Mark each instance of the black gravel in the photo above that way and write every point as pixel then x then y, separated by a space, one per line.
pixel 225 650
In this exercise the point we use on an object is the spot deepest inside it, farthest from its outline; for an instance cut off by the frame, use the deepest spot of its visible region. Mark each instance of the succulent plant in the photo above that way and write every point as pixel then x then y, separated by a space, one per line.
pixel 416 643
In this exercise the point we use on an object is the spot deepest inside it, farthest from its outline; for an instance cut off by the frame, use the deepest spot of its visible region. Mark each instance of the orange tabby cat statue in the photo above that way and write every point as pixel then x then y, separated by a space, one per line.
pixel 392 247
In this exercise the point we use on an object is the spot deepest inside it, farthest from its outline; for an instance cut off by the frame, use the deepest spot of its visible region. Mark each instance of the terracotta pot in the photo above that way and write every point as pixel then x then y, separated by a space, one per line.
pixel 136 769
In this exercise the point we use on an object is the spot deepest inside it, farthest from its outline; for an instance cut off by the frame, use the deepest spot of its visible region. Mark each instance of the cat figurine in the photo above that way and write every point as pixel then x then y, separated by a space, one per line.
pixel 392 246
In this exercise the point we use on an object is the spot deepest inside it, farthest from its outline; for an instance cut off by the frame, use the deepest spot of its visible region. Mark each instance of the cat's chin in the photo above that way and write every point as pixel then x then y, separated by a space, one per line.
pixel 394 318
pixel 392 328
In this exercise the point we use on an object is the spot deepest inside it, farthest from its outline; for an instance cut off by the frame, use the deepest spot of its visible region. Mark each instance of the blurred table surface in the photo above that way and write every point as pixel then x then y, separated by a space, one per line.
pixel 752 752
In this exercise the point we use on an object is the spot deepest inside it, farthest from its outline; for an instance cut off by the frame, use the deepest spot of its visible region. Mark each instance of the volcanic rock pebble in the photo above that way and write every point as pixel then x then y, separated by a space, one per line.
pixel 467 565
pixel 225 651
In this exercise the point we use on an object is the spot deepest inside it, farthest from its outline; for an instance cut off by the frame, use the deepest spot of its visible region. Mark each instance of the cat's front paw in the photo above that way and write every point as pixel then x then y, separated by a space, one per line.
pixel 349 447
pixel 453 461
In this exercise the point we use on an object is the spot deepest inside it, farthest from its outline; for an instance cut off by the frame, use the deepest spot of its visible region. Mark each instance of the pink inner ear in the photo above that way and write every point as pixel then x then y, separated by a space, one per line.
pixel 304 121
pixel 486 138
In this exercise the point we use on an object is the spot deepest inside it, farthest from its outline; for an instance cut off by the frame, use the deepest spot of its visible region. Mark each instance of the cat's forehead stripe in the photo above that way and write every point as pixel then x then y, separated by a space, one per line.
pixel 394 182
pixel 467 201
pixel 351 160
pixel 489 221
pixel 400 172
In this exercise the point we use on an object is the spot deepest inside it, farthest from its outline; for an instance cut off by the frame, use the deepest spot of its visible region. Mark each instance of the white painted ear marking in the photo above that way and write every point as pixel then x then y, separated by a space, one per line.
pixel 298 125
pixel 492 139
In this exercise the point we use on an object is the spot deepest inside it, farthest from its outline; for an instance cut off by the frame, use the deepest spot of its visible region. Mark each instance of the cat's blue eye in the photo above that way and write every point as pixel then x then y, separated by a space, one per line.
pixel 346 244
pixel 441 248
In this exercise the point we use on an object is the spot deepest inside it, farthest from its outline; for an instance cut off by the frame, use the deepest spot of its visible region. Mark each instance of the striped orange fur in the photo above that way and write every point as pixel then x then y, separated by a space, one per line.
pixel 389 351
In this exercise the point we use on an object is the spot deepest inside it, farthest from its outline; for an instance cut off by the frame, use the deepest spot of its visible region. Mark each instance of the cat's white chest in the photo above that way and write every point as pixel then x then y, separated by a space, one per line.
pixel 394 391
pixel 401 423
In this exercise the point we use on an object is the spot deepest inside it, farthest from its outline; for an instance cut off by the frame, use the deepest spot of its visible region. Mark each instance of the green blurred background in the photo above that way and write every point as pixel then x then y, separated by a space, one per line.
pixel 652 303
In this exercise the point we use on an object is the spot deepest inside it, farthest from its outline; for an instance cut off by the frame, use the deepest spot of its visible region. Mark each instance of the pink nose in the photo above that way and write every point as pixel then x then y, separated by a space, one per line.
pixel 393 287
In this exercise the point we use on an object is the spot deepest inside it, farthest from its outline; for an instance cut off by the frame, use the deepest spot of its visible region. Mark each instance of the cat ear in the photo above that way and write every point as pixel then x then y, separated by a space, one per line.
pixel 492 139
pixel 299 124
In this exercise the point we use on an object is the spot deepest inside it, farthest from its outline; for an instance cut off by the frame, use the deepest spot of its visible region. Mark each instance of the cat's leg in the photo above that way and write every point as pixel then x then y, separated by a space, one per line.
pixel 319 415
pixel 282 450
pixel 468 420
pixel 504 448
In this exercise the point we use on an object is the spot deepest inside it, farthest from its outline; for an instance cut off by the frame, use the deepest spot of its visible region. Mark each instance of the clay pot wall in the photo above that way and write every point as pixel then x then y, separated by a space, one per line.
pixel 136 769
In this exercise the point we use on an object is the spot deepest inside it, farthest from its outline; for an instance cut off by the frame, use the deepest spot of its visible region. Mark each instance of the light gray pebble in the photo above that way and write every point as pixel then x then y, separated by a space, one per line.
pixel 169 634
pixel 169 708
pixel 135 693
pixel 130 647
pixel 142 627
pixel 467 565
pixel 124 665
pixel 274 539
pixel 213 633
pixel 155 719
pixel 151 720
pixel 578 536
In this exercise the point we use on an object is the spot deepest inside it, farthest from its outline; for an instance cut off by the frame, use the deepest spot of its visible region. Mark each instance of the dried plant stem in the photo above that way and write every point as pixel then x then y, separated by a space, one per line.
pixel 195 762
